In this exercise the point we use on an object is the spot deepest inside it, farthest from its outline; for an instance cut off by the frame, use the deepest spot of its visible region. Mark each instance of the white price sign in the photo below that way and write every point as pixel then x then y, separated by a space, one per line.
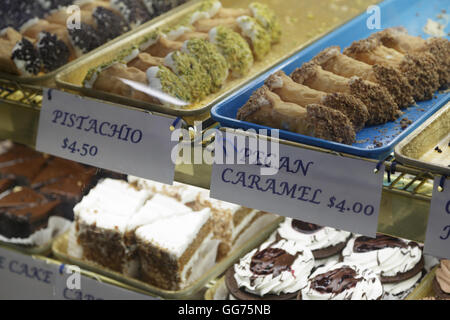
pixel 437 239
pixel 312 186
pixel 102 135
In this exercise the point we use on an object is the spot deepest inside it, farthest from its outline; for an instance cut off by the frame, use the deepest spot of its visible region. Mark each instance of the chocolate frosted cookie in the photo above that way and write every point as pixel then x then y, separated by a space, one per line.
pixel 26 58
pixel 325 243
pixel 441 283
pixel 54 53
pixel 85 39
pixel 109 24
pixel 342 281
pixel 399 263
pixel 275 270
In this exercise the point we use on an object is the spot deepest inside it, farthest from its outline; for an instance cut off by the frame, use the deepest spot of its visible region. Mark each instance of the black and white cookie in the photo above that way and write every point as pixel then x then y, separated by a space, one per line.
pixel 134 11
pixel 54 53
pixel 85 39
pixel 26 58
pixel 109 24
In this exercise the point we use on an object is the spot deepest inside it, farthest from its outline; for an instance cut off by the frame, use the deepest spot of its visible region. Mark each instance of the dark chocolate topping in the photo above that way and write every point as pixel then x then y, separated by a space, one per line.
pixel 109 24
pixel 53 52
pixel 134 11
pixel 85 38
pixel 365 244
pixel 335 281
pixel 162 6
pixel 25 51
pixel 271 261
pixel 305 227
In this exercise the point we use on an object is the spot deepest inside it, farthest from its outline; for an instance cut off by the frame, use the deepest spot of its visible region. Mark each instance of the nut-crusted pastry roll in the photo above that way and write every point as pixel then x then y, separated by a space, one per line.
pixel 399 39
pixel 163 47
pixel 233 12
pixel 420 69
pixel 266 108
pixel 291 91
pixel 234 48
pixel 331 59
pixel 144 61
pixel 377 99
pixel 190 72
pixel 204 25
pixel 258 38
pixel 210 58
pixel 85 39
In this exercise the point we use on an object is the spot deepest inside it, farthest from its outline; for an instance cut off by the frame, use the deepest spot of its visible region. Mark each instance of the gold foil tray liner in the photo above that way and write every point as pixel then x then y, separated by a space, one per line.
pixel 302 23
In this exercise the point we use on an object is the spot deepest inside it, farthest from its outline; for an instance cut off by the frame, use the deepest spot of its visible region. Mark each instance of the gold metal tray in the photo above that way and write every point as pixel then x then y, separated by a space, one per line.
pixel 302 23
pixel 423 289
pixel 48 79
pixel 193 291
pixel 44 250
pixel 418 149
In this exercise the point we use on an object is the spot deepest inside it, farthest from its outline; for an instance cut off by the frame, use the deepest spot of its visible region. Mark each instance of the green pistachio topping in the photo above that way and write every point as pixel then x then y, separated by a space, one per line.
pixel 172 85
pixel 210 58
pixel 191 73
pixel 267 19
pixel 235 49
pixel 149 39
pixel 259 37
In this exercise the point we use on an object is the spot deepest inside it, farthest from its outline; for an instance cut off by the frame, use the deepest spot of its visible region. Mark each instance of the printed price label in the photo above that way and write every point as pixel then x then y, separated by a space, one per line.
pixel 308 185
pixel 437 239
pixel 105 136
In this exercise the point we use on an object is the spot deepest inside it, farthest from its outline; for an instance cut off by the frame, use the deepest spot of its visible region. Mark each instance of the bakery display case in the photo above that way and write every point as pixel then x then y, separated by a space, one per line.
pixel 322 74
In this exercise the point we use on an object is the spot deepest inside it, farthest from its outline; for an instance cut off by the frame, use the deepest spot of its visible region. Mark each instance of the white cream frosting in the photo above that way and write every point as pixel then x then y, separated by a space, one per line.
pixel 288 281
pixel 368 288
pixel 394 289
pixel 153 79
pixel 321 239
pixel 177 32
pixel 247 26
pixel 206 14
pixel 174 234
pixel 386 262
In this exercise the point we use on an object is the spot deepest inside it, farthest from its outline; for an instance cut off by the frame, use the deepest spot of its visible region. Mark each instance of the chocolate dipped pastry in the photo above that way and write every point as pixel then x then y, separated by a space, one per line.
pixel 441 283
pixel 24 211
pixel 342 281
pixel 398 38
pixel 275 270
pixel 291 91
pixel 85 39
pixel 53 52
pixel 331 59
pixel 419 68
pixel 266 108
pixel 26 58
pixel 325 243
pixel 108 23
pixel 134 12
pixel 158 7
pixel 234 48
pixel 380 104
pixel 399 263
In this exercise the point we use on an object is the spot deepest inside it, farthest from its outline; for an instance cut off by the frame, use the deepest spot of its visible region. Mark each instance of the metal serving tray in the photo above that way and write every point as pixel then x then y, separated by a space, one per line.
pixel 418 149
pixel 302 23
pixel 48 79
pixel 413 15
pixel 59 249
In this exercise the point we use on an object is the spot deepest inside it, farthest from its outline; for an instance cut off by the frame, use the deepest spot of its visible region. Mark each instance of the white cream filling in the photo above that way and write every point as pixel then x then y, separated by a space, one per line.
pixel 401 287
pixel 133 55
pixel 321 239
pixel 153 79
pixel 288 281
pixel 386 262
pixel 208 14
pixel 169 62
pixel 176 33
pixel 147 44
pixel 368 288
pixel 213 35
pixel 247 26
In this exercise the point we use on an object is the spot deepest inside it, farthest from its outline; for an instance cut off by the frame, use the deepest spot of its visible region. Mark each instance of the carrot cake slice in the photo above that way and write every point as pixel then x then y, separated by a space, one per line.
pixel 176 251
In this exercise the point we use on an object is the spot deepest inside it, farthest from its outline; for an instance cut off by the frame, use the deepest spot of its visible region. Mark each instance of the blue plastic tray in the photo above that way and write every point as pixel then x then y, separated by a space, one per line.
pixel 411 14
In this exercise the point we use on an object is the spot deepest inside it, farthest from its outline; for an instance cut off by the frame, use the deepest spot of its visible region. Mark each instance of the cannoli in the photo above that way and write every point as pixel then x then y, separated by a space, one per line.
pixel 162 79
pixel 92 5
pixel 266 108
pixel 377 99
pixel 190 72
pixel 144 61
pixel 108 80
pixel 290 91
pixel 108 23
pixel 85 39
pixel 26 58
pixel 182 33
pixel 331 59
pixel 158 7
pixel 53 52
pixel 419 68
pixel 8 40
pixel 207 10
pixel 205 25
pixel 62 17
pixel 233 12
pixel 257 36
pixel 210 59
pixel 163 46
pixel 234 48
pixel 399 39
pixel 134 12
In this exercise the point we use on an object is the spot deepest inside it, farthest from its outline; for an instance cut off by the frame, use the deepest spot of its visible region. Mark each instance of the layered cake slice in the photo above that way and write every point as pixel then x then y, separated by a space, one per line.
pixel 101 220
pixel 24 211
pixel 176 251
